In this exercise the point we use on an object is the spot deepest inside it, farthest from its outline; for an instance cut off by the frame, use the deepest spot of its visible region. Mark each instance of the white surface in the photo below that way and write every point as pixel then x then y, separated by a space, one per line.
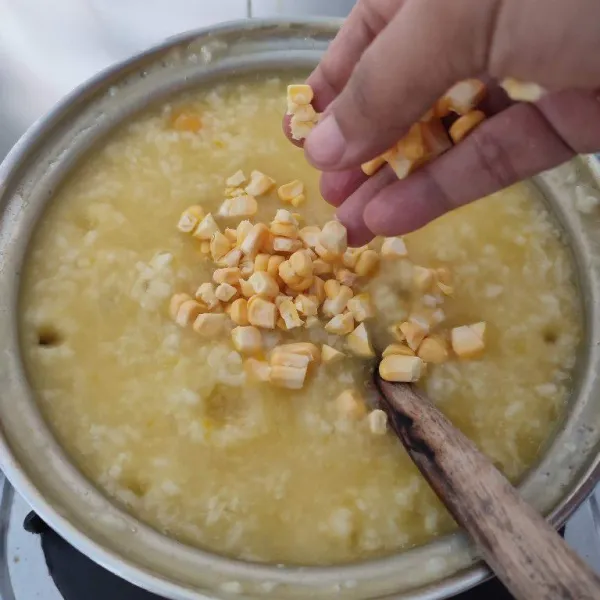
pixel 47 47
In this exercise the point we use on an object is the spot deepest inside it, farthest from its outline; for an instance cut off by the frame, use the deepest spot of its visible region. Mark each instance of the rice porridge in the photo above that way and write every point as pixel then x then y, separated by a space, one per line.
pixel 171 426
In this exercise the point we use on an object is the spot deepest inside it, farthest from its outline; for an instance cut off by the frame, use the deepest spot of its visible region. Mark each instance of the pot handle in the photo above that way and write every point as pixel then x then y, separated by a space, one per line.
pixel 524 551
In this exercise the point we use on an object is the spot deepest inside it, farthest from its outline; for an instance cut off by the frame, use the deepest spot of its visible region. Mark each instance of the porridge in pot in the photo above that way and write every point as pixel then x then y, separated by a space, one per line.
pixel 175 426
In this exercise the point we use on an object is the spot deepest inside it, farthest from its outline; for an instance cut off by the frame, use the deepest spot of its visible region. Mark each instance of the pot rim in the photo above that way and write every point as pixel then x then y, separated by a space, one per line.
pixel 111 559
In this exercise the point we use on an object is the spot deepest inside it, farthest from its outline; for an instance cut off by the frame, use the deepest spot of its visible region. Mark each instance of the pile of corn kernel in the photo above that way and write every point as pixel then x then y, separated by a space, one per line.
pixel 280 275
pixel 428 138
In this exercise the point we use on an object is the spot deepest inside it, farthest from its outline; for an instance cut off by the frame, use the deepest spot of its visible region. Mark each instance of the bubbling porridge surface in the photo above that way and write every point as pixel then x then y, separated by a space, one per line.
pixel 170 426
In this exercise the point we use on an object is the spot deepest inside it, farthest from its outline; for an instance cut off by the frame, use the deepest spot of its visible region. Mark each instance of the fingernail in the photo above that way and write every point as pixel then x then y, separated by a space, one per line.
pixel 326 144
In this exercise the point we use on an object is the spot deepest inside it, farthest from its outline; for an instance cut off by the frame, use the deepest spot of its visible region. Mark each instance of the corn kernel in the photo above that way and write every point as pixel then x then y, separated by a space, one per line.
pixel 206 228
pixel 219 246
pixel 345 276
pixel 394 247
pixel 358 342
pixel 231 259
pixel 239 206
pixel 231 192
pixel 246 266
pixel 283 244
pixel 302 348
pixel 433 350
pixel 467 341
pixel 289 191
pixel 326 255
pixel 350 405
pixel 284 216
pixel 289 314
pixel 377 421
pixel 231 235
pixel 372 166
pixel 290 359
pixel 367 262
pixel 246 288
pixel 465 125
pixel 210 325
pixel 521 91
pixel 176 301
pixel 414 334
pixel 267 244
pixel 436 138
pixel 306 305
pixel 206 294
pixel 301 263
pixel 320 267
pixel 242 230
pixel 411 146
pixel 340 324
pixel 333 238
pixel 190 218
pixel 401 349
pixel 311 322
pixel 291 378
pixel 332 288
pixel 230 275
pixel 260 370
pixel 273 265
pixel 337 304
pixel 287 273
pixel 397 367
pixel 305 112
pixel 264 284
pixel 317 289
pixel 247 340
pixel 236 180
pixel 225 292
pixel 286 230
pixel 298 200
pixel 361 307
pixel 465 95
pixel 310 235
pixel 300 129
pixel 238 311
pixel 401 165
pixel 299 94
pixel 205 247
pixel 254 239
pixel 259 184
pixel 329 355
pixel 262 313
pixel 350 256
pixel 261 262
pixel 299 286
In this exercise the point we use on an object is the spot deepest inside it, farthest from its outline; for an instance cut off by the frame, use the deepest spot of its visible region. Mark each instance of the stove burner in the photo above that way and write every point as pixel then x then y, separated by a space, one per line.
pixel 76 576
pixel 79 578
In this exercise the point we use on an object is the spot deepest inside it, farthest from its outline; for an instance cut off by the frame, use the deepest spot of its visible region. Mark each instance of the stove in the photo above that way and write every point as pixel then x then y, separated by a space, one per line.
pixel 37 564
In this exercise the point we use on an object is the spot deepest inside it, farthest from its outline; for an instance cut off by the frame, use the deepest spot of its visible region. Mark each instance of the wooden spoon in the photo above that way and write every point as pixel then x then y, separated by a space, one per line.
pixel 524 551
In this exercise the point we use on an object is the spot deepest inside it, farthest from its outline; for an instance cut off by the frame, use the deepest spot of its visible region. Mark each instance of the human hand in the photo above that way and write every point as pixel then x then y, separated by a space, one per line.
pixel 393 58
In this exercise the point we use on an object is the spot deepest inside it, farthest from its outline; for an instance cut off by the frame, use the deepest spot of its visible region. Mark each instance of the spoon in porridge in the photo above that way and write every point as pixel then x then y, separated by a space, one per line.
pixel 522 549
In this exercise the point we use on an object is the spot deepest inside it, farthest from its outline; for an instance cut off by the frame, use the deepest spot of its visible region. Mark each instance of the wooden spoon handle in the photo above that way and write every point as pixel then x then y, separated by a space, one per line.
pixel 524 551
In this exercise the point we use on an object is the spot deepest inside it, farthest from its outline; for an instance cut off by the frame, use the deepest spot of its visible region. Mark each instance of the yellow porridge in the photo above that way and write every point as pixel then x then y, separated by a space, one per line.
pixel 170 423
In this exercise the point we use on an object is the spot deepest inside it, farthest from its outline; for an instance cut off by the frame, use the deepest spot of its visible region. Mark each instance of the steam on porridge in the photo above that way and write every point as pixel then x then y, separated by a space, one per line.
pixel 180 426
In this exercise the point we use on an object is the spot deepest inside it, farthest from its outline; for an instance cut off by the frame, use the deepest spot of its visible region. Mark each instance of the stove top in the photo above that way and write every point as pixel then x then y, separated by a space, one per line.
pixel 37 564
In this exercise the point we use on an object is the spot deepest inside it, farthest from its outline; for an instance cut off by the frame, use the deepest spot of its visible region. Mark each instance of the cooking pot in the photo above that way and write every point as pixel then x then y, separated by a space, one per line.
pixel 46 477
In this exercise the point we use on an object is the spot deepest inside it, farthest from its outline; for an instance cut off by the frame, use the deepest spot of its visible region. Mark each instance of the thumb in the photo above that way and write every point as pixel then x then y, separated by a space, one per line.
pixel 427 47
